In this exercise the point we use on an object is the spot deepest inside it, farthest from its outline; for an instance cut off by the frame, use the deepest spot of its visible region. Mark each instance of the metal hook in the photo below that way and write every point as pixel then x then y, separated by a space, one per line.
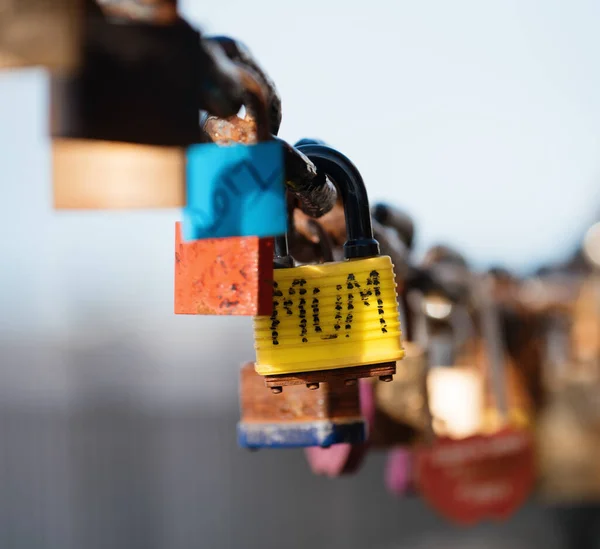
pixel 258 102
pixel 238 52
pixel 256 99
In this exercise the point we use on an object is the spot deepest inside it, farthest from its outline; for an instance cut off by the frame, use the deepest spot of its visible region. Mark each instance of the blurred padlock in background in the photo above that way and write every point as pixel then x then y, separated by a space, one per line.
pixel 118 417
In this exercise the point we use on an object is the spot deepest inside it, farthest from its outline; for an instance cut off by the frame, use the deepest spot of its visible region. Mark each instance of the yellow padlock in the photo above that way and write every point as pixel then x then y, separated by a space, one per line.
pixel 334 315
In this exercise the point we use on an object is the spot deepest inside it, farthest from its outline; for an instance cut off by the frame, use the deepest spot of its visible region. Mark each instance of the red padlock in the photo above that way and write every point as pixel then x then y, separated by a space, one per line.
pixel 477 478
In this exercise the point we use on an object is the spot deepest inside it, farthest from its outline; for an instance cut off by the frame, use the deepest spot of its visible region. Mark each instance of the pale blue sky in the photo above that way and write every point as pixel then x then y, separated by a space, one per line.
pixel 482 119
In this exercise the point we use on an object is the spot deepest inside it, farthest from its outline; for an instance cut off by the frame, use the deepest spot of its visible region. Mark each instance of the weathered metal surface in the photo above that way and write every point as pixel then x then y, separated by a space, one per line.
pixel 298 417
pixel 239 53
pixel 223 276
pixel 225 131
pixel 316 194
pixel 385 370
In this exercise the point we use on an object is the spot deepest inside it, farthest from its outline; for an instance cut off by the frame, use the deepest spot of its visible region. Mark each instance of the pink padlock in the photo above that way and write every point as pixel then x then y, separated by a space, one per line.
pixel 345 459
pixel 399 478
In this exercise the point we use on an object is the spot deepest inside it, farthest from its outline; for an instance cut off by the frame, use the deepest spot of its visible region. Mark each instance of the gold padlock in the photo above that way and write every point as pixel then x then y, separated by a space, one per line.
pixel 340 316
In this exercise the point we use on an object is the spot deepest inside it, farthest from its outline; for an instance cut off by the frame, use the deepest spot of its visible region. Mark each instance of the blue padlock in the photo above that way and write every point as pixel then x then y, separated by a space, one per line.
pixel 237 190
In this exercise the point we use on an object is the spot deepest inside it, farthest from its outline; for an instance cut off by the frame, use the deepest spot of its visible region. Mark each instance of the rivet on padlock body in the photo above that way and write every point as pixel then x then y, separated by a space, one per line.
pixel 297 418
pixel 333 319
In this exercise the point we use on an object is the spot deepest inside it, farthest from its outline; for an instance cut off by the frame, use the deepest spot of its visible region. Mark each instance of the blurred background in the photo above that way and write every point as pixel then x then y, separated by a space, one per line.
pixel 118 418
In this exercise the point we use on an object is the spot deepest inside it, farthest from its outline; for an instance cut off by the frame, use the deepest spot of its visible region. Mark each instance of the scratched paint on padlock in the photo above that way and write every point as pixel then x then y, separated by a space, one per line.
pixel 225 276
pixel 40 33
pixel 236 190
pixel 332 315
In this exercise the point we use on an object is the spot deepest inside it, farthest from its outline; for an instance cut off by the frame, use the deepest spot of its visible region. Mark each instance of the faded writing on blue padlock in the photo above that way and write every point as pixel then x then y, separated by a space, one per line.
pixel 236 190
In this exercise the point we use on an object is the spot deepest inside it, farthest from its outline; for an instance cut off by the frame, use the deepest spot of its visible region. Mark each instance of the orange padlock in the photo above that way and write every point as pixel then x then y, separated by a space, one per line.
pixel 223 276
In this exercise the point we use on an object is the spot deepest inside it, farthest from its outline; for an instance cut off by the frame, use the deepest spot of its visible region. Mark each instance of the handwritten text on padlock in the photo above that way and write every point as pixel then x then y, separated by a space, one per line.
pixel 297 296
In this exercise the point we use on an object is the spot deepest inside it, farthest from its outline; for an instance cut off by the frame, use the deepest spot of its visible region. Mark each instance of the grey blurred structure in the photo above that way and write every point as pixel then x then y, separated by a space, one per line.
pixel 115 444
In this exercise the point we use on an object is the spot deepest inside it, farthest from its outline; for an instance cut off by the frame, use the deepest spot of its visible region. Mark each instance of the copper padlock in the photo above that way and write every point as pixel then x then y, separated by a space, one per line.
pixel 297 417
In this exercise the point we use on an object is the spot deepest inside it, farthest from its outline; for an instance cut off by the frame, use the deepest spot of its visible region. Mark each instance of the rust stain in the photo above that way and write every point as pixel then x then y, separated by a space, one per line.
pixel 162 12
pixel 225 131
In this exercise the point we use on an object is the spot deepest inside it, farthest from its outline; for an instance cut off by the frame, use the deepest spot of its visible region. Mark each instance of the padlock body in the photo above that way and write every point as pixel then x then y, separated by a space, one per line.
pixel 333 315
pixel 402 403
pixel 90 174
pixel 45 33
pixel 236 190
pixel 298 418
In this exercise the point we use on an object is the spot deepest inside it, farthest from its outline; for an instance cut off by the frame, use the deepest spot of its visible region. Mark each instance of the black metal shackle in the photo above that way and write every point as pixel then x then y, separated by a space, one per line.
pixel 360 242
pixel 350 185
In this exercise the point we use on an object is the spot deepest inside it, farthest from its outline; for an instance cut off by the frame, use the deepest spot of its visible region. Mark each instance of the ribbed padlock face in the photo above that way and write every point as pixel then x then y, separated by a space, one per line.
pixel 333 315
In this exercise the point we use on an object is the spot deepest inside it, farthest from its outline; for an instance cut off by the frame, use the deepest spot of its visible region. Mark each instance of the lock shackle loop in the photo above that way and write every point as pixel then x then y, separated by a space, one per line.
pixel 254 96
pixel 237 52
pixel 327 198
pixel 360 242
pixel 257 100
